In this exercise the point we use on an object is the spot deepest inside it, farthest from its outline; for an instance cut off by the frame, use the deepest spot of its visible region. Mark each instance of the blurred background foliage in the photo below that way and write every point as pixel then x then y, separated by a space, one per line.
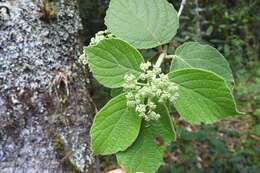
pixel 230 146
pixel 232 27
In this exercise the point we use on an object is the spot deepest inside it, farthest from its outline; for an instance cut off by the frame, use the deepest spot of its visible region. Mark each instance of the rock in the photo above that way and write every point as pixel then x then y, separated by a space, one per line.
pixel 45 108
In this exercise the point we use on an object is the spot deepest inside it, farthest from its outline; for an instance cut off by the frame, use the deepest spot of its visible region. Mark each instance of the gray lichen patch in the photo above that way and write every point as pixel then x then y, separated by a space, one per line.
pixel 33 54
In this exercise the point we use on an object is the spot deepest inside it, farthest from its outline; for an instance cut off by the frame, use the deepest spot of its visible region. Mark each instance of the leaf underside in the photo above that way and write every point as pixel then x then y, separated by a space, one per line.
pixel 143 23
pixel 196 55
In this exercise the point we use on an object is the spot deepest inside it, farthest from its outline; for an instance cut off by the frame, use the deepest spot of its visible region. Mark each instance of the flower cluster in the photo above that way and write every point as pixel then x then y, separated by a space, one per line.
pixel 144 91
pixel 83 58
pixel 95 40
pixel 100 36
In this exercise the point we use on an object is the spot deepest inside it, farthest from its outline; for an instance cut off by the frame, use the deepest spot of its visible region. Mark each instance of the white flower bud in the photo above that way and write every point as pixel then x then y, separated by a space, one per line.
pixel 173 99
pixel 157 70
pixel 100 33
pixel 83 59
pixel 158 87
pixel 145 66
pixel 150 75
pixel 100 36
pixel 130 96
pixel 173 88
pixel 151 105
pixel 129 78
pixel 131 104
pixel 154 115
pixel 143 76
pixel 141 108
pixel 158 92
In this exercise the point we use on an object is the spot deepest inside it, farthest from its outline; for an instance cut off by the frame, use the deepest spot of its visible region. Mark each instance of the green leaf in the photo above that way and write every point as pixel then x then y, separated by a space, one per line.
pixel 116 91
pixel 195 55
pixel 204 96
pixel 143 23
pixel 115 127
pixel 146 154
pixel 111 59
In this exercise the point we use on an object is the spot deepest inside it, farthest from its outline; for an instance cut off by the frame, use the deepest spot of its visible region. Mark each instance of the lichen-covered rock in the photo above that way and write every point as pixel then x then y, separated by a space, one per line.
pixel 45 109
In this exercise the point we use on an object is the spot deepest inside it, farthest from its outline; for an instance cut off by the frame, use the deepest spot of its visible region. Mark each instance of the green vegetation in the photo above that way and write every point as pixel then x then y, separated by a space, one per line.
pixel 232 145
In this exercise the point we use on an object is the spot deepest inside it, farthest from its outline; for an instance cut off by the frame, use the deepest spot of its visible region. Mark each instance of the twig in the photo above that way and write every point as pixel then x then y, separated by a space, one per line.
pixel 160 59
pixel 162 56
pixel 183 3
pixel 164 50
pixel 198 17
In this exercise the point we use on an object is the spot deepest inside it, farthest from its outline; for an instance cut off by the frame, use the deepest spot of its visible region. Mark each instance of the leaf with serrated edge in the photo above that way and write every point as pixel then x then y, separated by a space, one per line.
pixel 146 154
pixel 111 59
pixel 115 127
pixel 203 96
pixel 196 55
pixel 143 23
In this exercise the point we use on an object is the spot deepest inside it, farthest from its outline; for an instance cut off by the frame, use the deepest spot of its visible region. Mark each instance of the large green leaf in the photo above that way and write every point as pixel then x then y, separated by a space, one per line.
pixel 143 23
pixel 146 154
pixel 204 96
pixel 115 127
pixel 111 59
pixel 195 55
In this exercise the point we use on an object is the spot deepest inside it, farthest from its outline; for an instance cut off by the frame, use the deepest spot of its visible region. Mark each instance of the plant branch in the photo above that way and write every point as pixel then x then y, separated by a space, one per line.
pixel 198 18
pixel 160 59
pixel 162 56
pixel 183 3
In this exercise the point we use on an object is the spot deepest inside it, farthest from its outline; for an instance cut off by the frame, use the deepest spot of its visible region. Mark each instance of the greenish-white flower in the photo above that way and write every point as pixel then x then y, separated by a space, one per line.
pixel 141 108
pixel 83 59
pixel 101 35
pixel 151 86
pixel 145 66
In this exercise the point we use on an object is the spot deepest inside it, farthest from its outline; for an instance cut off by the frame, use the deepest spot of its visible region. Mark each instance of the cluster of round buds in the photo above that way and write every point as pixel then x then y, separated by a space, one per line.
pixel 100 36
pixel 143 91
pixel 83 58
pixel 95 40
